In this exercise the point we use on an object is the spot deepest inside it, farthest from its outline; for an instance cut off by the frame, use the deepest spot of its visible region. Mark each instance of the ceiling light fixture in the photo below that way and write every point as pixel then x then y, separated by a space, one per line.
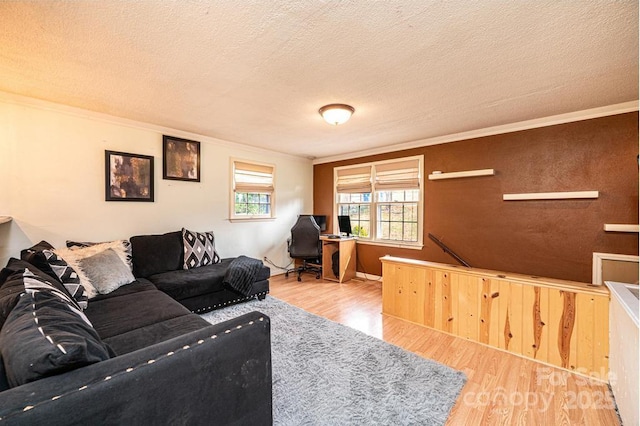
pixel 336 113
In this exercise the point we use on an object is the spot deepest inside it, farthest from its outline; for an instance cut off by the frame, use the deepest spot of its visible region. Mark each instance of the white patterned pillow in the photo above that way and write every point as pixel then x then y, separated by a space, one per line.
pixel 121 247
pixel 199 249
pixel 74 256
pixel 68 277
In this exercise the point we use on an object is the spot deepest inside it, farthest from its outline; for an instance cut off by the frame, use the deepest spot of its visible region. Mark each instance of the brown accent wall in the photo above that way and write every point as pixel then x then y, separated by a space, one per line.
pixel 551 238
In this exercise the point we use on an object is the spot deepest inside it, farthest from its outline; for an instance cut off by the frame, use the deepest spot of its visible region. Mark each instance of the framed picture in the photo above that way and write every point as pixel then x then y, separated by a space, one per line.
pixel 129 177
pixel 181 159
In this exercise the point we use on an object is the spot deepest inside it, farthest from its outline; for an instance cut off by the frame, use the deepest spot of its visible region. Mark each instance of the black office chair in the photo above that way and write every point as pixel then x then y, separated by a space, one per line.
pixel 305 245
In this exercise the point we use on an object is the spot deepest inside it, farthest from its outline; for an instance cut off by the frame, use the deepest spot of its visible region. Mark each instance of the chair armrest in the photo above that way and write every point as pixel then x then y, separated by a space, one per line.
pixel 220 374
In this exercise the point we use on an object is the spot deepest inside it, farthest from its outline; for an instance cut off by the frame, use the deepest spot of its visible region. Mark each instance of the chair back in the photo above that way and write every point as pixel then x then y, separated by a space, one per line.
pixel 305 239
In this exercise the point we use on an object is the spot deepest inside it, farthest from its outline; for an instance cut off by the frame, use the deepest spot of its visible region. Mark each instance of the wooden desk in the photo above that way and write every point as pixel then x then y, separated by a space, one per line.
pixel 347 258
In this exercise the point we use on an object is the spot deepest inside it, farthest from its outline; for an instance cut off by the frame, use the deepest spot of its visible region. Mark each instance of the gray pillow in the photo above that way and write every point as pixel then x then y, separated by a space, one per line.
pixel 106 271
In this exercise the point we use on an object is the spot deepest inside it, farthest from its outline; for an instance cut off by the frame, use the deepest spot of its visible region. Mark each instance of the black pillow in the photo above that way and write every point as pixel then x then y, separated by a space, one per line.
pixel 10 292
pixel 154 254
pixel 15 265
pixel 42 256
pixel 37 258
pixel 12 285
pixel 4 384
pixel 46 333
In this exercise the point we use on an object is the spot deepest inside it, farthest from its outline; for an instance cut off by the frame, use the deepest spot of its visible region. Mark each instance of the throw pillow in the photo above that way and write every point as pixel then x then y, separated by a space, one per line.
pixel 36 257
pixel 68 277
pixel 122 247
pixel 10 293
pixel 14 265
pixel 155 254
pixel 106 271
pixel 199 249
pixel 46 334
pixel 73 257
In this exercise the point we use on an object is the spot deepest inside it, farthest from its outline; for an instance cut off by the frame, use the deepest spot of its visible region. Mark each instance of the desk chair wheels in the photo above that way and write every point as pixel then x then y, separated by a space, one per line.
pixel 305 267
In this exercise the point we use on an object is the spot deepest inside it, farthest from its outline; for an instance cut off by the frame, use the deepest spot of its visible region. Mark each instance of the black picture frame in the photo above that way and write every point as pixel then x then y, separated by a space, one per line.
pixel 180 159
pixel 128 177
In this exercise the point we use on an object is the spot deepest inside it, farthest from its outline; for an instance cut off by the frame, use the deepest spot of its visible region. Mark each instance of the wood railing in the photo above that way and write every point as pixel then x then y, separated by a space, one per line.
pixel 562 323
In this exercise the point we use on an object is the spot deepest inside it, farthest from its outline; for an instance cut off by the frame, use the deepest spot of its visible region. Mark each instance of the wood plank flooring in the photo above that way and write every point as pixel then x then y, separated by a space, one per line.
pixel 502 389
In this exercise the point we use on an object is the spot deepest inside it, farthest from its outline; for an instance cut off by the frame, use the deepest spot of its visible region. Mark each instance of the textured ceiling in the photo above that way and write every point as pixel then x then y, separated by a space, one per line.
pixel 256 71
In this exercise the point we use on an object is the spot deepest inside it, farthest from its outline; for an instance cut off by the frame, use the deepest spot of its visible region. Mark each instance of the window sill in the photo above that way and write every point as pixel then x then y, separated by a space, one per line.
pixel 251 219
pixel 415 246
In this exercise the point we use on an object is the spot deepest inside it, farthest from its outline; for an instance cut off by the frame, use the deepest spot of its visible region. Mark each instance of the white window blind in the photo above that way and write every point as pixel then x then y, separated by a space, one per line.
pixel 250 177
pixel 354 180
pixel 398 175
pixel 384 200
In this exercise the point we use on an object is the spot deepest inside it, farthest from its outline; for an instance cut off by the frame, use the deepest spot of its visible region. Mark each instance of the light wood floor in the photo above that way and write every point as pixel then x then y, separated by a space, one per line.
pixel 501 389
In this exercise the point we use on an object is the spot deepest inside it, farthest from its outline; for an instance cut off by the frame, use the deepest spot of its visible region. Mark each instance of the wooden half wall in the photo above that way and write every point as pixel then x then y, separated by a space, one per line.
pixel 561 323
pixel 552 238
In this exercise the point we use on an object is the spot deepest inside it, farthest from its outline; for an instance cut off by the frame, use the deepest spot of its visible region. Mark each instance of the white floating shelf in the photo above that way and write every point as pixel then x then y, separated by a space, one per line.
pixel 5 219
pixel 617 227
pixel 550 195
pixel 468 173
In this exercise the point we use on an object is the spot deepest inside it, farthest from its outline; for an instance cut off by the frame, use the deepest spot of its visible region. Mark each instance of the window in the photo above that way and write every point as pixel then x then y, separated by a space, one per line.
pixel 252 193
pixel 383 200
pixel 358 208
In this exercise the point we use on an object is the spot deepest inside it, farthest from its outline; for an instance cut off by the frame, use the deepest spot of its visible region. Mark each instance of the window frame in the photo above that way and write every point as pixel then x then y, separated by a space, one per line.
pixel 374 203
pixel 236 164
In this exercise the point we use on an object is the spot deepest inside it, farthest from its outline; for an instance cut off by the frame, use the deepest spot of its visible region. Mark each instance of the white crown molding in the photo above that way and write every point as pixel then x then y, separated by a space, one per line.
pixel 12 98
pixel 553 120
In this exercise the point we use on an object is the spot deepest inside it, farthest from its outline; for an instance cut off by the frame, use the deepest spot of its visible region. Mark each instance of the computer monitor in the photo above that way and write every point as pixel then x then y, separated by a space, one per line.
pixel 344 223
pixel 321 221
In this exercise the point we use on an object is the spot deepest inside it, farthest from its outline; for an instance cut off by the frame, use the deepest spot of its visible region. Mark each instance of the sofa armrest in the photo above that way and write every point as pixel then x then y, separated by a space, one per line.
pixel 220 374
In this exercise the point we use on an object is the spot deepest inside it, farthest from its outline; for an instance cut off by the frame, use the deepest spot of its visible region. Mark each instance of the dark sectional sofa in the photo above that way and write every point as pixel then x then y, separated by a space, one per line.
pixel 166 364
pixel 159 259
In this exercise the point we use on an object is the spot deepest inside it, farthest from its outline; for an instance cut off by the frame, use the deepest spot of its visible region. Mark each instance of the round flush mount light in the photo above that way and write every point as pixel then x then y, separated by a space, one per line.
pixel 336 113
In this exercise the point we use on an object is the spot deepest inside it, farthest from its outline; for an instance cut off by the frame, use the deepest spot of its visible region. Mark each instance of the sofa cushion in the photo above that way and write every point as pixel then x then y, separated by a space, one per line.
pixel 46 333
pixel 155 333
pixel 154 254
pixel 10 294
pixel 4 383
pixel 106 271
pixel 141 284
pixel 199 249
pixel 12 285
pixel 182 284
pixel 15 265
pixel 112 316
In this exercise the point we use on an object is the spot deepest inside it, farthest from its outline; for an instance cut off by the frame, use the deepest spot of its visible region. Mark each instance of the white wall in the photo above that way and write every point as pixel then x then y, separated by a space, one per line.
pixel 52 181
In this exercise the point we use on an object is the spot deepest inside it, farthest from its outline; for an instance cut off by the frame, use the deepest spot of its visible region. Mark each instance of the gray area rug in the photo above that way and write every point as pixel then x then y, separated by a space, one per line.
pixel 325 373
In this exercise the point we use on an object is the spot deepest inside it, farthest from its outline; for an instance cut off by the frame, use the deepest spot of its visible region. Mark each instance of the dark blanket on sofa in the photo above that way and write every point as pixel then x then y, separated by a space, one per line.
pixel 241 274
